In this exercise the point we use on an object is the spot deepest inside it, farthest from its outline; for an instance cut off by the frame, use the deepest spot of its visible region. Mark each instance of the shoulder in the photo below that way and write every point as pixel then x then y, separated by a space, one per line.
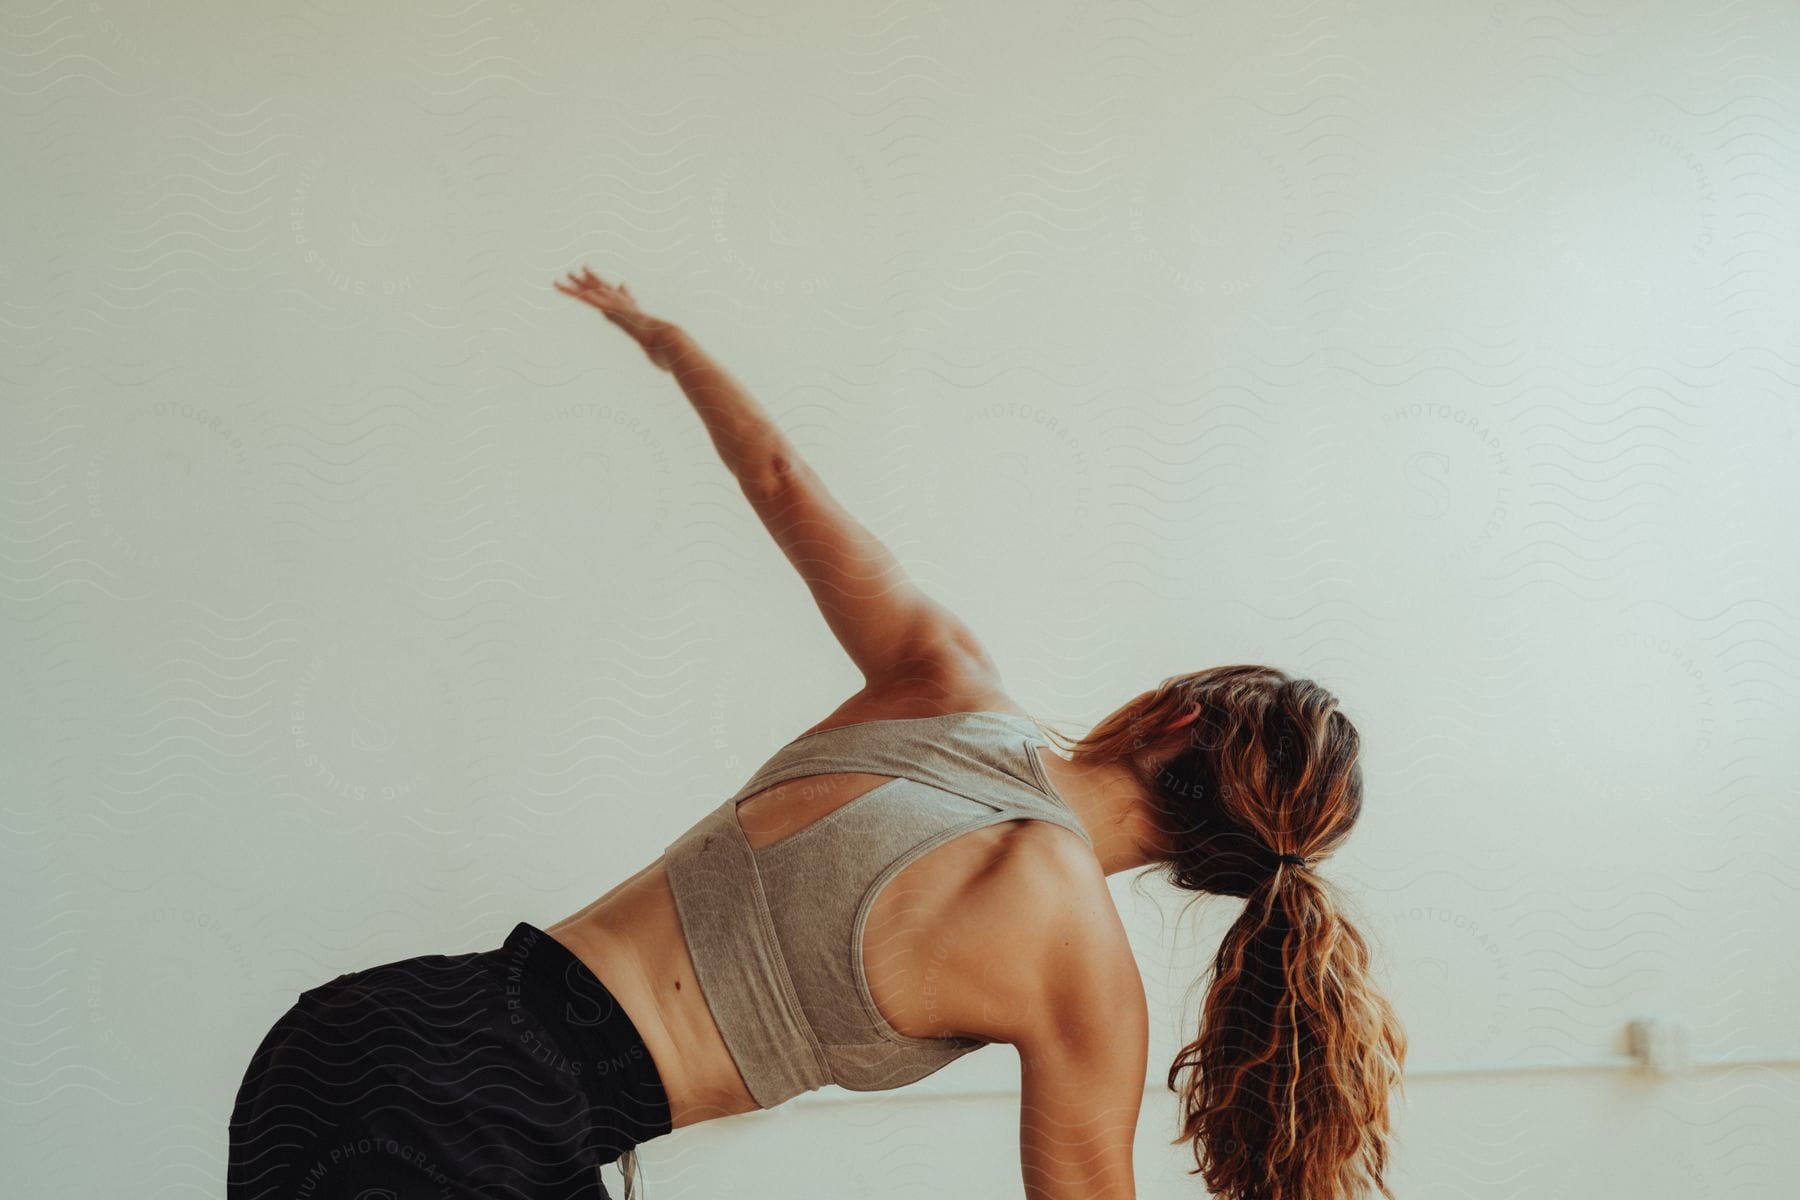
pixel 1044 909
pixel 950 683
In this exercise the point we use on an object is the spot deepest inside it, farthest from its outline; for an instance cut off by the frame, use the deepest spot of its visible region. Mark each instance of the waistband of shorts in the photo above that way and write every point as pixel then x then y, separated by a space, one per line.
pixel 607 1053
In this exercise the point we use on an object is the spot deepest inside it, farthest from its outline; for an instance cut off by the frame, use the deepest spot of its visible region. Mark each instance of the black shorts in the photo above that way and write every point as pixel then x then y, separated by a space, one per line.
pixel 502 1073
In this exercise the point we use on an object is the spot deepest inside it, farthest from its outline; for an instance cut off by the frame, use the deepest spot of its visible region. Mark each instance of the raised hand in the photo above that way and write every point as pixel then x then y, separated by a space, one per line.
pixel 654 335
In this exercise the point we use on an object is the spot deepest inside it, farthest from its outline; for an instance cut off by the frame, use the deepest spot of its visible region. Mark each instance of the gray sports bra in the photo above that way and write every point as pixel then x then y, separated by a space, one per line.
pixel 776 933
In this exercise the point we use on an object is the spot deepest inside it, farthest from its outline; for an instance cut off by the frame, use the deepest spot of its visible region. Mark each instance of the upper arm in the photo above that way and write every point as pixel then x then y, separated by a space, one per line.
pixel 1082 1054
pixel 887 625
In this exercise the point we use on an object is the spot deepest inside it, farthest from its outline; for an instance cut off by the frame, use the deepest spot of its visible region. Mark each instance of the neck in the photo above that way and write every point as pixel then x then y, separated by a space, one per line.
pixel 1111 806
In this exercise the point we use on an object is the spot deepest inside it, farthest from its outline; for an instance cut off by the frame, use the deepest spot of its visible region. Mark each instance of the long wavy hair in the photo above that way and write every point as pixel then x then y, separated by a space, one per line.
pixel 1287 1087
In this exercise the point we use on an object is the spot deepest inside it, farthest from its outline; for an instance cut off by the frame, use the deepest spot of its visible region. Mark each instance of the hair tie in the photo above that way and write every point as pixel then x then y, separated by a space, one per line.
pixel 1299 860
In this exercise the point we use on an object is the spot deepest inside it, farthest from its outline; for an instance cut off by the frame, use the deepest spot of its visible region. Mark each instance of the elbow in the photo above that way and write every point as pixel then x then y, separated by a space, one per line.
pixel 781 468
pixel 773 474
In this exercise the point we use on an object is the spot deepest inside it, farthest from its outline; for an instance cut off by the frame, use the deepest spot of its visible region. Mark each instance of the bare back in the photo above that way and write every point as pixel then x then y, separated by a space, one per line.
pixel 930 943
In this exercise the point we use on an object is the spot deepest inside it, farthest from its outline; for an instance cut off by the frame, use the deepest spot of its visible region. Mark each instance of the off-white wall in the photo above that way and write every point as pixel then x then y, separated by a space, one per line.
pixel 365 596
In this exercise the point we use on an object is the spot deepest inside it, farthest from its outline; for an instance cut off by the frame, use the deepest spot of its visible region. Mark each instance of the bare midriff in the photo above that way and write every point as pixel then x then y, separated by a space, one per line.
pixel 631 939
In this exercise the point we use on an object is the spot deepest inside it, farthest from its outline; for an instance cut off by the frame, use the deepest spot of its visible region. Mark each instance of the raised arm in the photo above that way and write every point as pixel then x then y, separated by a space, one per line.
pixel 887 625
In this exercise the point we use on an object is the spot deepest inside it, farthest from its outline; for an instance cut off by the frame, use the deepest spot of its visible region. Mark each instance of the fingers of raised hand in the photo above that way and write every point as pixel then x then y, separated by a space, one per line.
pixel 585 285
pixel 584 280
pixel 587 279
pixel 601 296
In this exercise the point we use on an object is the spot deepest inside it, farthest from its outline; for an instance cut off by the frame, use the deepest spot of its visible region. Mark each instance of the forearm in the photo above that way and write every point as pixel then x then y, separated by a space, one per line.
pixel 747 439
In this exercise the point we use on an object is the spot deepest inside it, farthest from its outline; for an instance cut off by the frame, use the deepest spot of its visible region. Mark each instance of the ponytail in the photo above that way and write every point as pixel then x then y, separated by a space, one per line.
pixel 1288 1083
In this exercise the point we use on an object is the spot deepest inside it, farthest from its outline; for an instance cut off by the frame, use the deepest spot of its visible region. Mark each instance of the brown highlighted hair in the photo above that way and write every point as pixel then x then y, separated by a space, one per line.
pixel 1287 1088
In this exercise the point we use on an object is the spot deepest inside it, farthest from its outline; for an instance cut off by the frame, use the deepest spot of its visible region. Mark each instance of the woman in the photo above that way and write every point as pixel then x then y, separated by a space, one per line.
pixel 905 882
